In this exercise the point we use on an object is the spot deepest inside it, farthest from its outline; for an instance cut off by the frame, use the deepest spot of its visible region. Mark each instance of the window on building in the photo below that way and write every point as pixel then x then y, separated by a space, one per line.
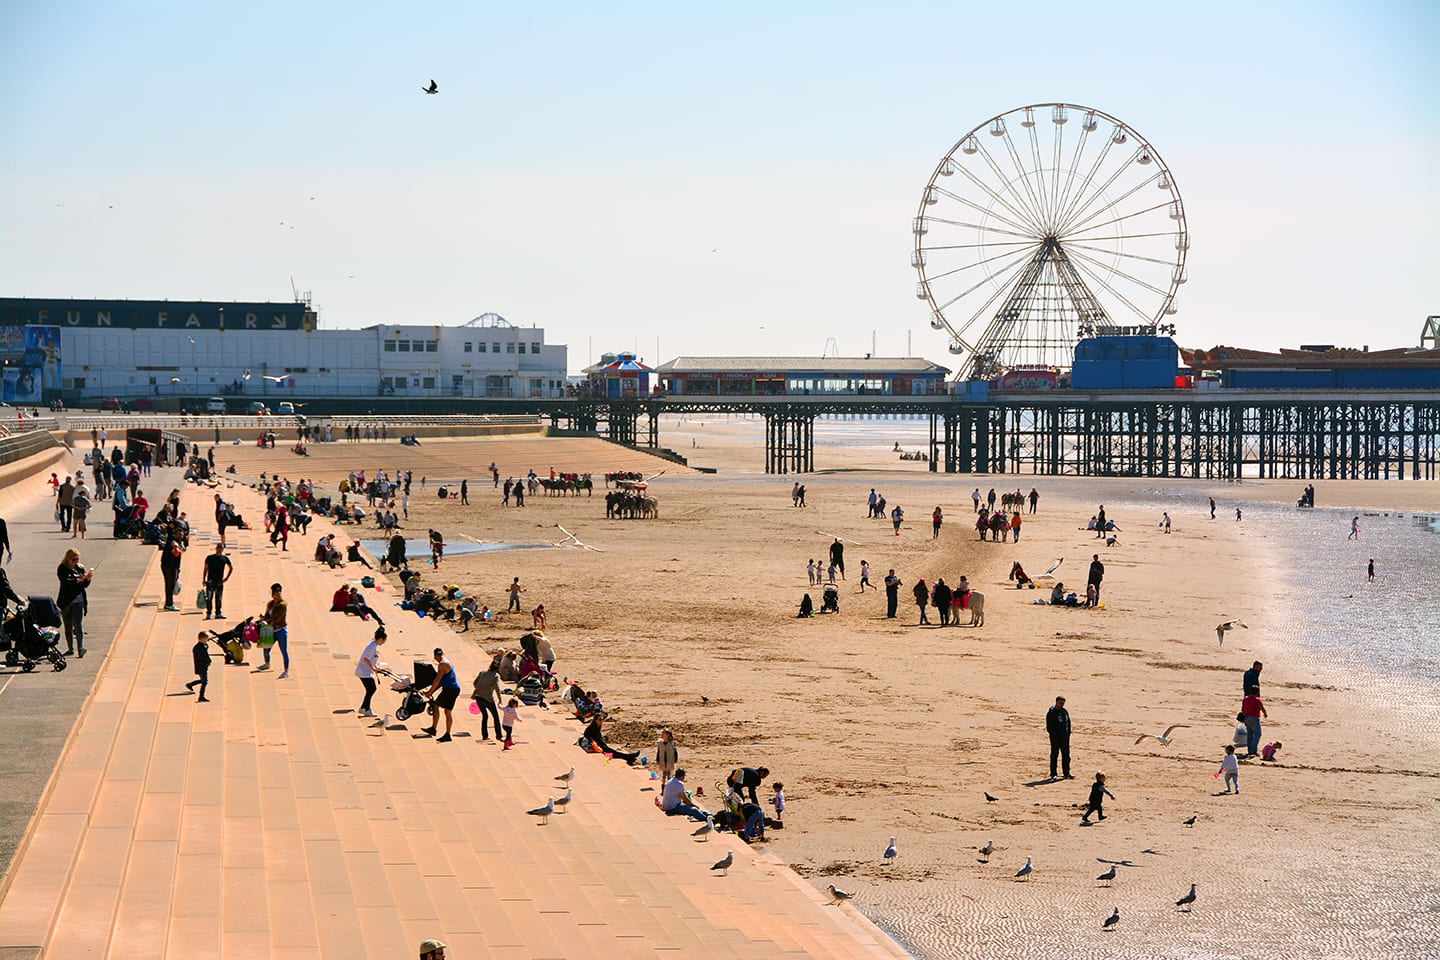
pixel 482 346
pixel 418 346
pixel 534 348
pixel 521 347
pixel 470 347
pixel 429 383
pixel 497 348
pixel 431 346
pixel 509 348
pixel 404 346
pixel 389 346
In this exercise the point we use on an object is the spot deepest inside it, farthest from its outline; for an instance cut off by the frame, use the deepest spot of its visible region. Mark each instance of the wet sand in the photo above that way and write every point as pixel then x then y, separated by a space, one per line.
pixel 881 727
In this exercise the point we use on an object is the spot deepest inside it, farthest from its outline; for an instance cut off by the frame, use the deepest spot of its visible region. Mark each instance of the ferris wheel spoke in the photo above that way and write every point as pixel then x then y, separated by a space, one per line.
pixel 1021 214
pixel 1072 245
pixel 1072 238
pixel 1066 201
pixel 1034 139
pixel 1000 288
pixel 1030 244
pixel 1104 285
pixel 989 277
pixel 1032 179
pixel 1120 219
pixel 980 228
pixel 1098 193
pixel 1115 271
pixel 979 209
pixel 1080 224
pixel 1055 176
pixel 1032 212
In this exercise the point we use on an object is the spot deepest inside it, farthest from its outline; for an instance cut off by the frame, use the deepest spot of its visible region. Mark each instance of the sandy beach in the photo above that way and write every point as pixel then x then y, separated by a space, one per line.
pixel 881 727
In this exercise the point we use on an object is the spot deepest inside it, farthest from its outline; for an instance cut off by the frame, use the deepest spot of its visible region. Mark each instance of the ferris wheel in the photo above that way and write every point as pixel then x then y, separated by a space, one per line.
pixel 1043 225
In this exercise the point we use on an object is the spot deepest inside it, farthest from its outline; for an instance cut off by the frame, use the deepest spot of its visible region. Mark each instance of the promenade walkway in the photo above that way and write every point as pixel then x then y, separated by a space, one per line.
pixel 272 822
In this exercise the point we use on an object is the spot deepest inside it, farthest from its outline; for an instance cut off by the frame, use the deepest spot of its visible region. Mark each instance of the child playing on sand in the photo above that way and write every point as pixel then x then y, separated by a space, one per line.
pixel 778 802
pixel 865 576
pixel 511 716
pixel 1242 733
pixel 810 571
pixel 1230 766
pixel 1267 752
pixel 1098 793
pixel 666 755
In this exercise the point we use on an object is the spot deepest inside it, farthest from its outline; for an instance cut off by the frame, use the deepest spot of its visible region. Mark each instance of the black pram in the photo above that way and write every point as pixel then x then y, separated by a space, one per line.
pixel 27 637
pixel 413 702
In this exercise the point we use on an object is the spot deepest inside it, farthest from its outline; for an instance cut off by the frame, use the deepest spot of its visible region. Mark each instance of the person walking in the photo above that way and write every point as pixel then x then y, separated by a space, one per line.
pixel 5 541
pixel 865 576
pixel 897 517
pixel 1098 793
pixel 172 548
pixel 1057 726
pixel 936 519
pixel 1015 525
pixel 1034 498
pixel 486 692
pixel 65 502
pixel 514 590
pixel 922 598
pixel 200 653
pixel 276 615
pixel 1100 523
pixel 892 594
pixel 448 685
pixel 837 556
pixel 667 756
pixel 1370 571
pixel 365 669
pixel 941 596
pixel 1354 529
pixel 464 493
pixel 990 499
pixel 1212 508
pixel 1253 708
pixel 1097 574
pixel 975 496
pixel 80 503
pixel 72 601
pixel 218 569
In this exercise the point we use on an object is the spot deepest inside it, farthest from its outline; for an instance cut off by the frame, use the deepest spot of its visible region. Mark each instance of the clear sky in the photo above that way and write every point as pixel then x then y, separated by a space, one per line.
pixel 694 179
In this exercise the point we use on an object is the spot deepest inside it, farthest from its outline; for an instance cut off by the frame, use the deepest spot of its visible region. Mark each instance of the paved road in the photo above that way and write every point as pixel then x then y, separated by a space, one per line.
pixel 38 709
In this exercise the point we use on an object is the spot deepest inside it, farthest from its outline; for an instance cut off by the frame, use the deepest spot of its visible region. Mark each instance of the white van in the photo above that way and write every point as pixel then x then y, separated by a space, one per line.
pixel 285 409
pixel 215 405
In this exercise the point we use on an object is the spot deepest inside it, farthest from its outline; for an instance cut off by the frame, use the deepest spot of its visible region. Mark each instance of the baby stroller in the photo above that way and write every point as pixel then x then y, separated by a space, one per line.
pixel 131 528
pixel 413 702
pixel 233 643
pixel 531 690
pixel 831 601
pixel 26 639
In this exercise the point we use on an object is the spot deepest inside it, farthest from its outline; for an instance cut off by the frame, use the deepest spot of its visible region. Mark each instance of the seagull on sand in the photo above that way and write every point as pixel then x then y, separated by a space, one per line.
pixel 1111 920
pixel 986 850
pixel 1188 899
pixel 543 812
pixel 990 799
pixel 890 852
pixel 567 776
pixel 1164 738
pixel 724 865
pixel 839 895
pixel 1024 872
pixel 561 802
pixel 433 88
pixel 1222 629
pixel 703 831
pixel 1109 875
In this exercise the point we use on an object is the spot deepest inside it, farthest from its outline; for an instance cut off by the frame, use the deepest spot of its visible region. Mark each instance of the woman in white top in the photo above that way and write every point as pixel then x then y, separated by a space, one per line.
pixel 365 670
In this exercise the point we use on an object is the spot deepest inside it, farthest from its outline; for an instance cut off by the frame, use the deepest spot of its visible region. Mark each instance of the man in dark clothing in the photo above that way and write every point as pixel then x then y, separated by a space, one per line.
pixel 464 491
pixel 65 500
pixel 747 779
pixel 837 556
pixel 217 570
pixel 940 596
pixel 1097 571
pixel 892 594
pixel 201 653
pixel 7 593
pixel 1100 523
pixel 1034 498
pixel 5 540
pixel 1252 678
pixel 1057 725
pixel 171 549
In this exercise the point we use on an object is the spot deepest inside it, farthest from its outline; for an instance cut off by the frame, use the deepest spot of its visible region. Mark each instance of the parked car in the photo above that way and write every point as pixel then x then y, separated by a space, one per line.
pixel 256 408
pixel 285 409
pixel 215 405
pixel 110 403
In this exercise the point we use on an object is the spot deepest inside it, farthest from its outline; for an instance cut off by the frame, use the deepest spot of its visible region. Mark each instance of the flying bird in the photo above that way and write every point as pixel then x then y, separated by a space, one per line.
pixel 724 865
pixel 1228 625
pixel 1187 900
pixel 543 812
pixel 433 88
pixel 279 379
pixel 571 538
pixel 561 802
pixel 836 536
pixel 1191 821
pixel 990 799
pixel 1111 920
pixel 174 379
pixel 703 831
pixel 890 852
pixel 1053 567
pixel 1024 872
pixel 246 376
pixel 567 776
pixel 1109 875
pixel 191 339
pixel 1164 738
pixel 839 895
pixel 988 849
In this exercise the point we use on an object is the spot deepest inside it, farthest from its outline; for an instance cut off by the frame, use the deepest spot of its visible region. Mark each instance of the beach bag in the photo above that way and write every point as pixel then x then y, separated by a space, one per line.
pixel 202 598
pixel 266 636
pixel 367 582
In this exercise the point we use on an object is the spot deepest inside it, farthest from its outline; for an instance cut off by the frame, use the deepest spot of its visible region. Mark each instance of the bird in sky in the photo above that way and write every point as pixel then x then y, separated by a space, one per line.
pixel 570 538
pixel 1053 567
pixel 1024 872
pixel 280 379
pixel 890 852
pixel 1109 875
pixel 724 865
pixel 1191 821
pixel 174 379
pixel 1111 921
pixel 986 850
pixel 433 88
pixel 543 812
pixel 246 375
pixel 1164 738
pixel 990 799
pixel 561 802
pixel 1187 900
pixel 838 895
pixel 703 831
pixel 567 776
pixel 191 339
pixel 1224 628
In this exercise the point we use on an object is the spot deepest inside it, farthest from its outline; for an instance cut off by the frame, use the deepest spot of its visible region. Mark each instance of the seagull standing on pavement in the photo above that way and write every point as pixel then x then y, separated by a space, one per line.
pixel 1228 625
pixel 703 831
pixel 724 865
pixel 839 895
pixel 567 776
pixel 560 802
pixel 890 852
pixel 1024 872
pixel 1108 876
pixel 543 812
pixel 1187 900
pixel 1164 738
pixel 1111 920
